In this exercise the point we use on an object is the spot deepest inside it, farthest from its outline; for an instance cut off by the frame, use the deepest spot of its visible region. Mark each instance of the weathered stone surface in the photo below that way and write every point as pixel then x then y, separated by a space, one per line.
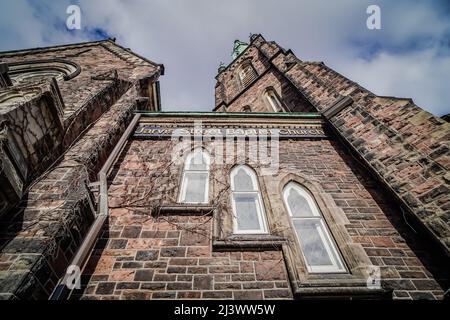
pixel 145 252
pixel 53 216
pixel 396 132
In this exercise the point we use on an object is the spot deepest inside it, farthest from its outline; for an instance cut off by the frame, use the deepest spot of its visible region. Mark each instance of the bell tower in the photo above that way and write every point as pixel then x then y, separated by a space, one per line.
pixel 250 82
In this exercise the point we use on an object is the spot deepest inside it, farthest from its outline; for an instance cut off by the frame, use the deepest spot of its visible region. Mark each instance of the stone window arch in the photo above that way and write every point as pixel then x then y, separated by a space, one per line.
pixel 316 243
pixel 272 99
pixel 36 70
pixel 247 108
pixel 359 268
pixel 249 215
pixel 195 178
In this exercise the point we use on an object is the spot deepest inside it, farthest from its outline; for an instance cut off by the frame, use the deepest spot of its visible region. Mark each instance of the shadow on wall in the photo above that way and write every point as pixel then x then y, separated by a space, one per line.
pixel 401 269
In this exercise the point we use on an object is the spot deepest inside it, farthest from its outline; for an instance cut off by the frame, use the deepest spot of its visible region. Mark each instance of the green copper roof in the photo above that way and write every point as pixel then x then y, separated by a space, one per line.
pixel 238 48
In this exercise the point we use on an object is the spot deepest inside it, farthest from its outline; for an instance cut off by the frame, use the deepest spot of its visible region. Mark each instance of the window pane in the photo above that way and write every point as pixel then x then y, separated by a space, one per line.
pixel 247 212
pixel 276 102
pixel 195 184
pixel 243 181
pixel 273 100
pixel 313 242
pixel 198 161
pixel 298 204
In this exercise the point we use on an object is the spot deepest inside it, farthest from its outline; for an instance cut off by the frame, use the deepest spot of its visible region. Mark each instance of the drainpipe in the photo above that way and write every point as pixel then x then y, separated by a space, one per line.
pixel 61 291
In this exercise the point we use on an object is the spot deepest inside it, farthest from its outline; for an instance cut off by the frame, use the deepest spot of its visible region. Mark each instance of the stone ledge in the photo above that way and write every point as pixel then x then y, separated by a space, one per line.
pixel 334 292
pixel 337 107
pixel 184 209
pixel 249 242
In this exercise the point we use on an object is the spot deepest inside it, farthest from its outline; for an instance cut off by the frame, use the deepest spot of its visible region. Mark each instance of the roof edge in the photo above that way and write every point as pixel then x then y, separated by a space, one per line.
pixel 81 44
pixel 56 47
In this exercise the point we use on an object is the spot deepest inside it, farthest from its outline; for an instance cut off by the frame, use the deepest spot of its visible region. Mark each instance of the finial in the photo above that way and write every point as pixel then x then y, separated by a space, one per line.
pixel 222 66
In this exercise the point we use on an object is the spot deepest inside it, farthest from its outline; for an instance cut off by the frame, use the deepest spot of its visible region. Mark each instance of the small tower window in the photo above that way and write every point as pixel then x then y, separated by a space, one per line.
pixel 272 98
pixel 316 243
pixel 195 182
pixel 247 74
pixel 247 109
pixel 249 216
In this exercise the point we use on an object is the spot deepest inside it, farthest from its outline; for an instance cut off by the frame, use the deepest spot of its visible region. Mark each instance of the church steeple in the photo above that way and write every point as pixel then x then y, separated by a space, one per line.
pixel 238 48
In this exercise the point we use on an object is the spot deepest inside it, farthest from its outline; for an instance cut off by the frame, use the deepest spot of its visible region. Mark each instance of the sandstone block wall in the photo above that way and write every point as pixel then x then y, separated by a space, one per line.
pixel 143 254
pixel 406 147
pixel 40 236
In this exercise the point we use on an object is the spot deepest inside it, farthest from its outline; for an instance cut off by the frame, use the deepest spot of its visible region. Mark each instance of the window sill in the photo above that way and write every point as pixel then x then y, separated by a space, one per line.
pixel 254 241
pixel 341 291
pixel 185 209
pixel 337 286
pixel 329 285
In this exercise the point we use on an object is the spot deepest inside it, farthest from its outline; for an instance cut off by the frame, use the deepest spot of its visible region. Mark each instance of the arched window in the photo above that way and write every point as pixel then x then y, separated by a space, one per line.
pixel 247 74
pixel 247 109
pixel 316 243
pixel 195 182
pixel 248 210
pixel 272 98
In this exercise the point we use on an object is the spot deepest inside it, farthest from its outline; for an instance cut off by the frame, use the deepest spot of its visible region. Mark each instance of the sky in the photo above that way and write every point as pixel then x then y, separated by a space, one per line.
pixel 408 57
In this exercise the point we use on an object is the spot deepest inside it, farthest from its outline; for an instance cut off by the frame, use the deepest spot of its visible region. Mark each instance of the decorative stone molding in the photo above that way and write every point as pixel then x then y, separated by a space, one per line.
pixel 28 71
pixel 340 104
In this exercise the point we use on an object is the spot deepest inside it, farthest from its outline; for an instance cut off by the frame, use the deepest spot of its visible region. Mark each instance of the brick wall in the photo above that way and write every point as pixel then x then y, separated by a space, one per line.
pixel 160 258
pixel 171 256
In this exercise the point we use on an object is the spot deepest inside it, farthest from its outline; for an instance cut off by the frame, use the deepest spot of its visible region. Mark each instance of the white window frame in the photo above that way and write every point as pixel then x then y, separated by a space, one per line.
pixel 260 211
pixel 186 170
pixel 338 265
pixel 273 100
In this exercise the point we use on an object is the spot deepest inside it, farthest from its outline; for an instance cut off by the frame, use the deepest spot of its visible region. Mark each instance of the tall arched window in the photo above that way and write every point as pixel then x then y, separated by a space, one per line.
pixel 195 182
pixel 248 210
pixel 247 74
pixel 272 98
pixel 316 243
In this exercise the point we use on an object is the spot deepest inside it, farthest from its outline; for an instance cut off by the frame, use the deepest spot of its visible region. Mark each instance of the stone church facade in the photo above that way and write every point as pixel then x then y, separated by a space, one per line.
pixel 300 184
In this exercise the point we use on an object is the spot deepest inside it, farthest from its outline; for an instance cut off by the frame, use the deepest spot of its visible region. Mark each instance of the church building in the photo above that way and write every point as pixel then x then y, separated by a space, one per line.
pixel 299 184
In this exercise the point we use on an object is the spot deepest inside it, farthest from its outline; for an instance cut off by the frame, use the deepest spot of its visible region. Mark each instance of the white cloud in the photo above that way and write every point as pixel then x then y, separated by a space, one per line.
pixel 421 75
pixel 192 37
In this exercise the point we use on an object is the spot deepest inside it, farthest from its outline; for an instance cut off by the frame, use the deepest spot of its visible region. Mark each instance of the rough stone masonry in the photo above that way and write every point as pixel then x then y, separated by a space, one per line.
pixel 378 176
